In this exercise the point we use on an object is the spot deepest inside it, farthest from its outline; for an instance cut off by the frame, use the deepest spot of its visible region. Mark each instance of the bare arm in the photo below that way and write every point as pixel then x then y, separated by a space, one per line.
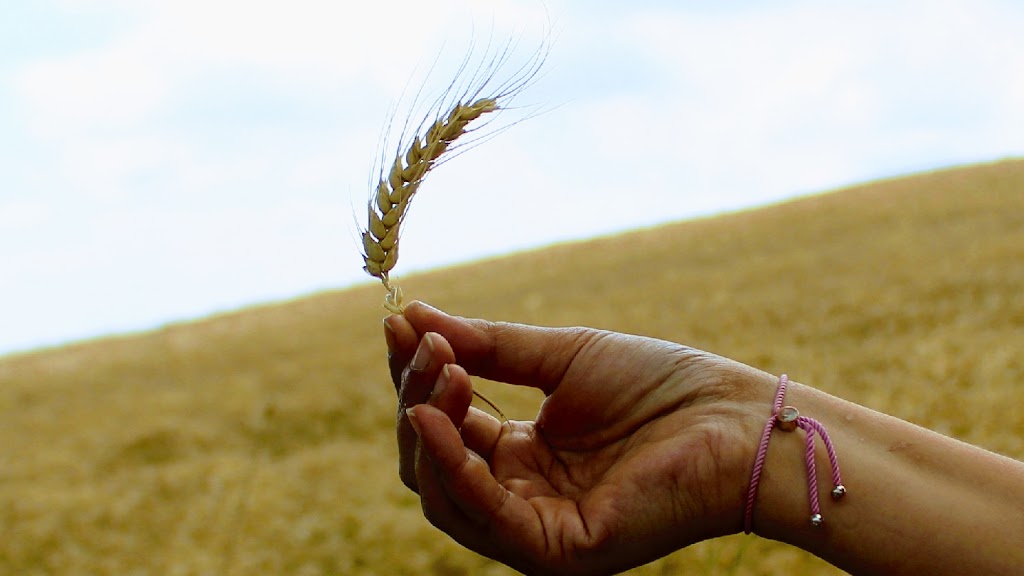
pixel 918 502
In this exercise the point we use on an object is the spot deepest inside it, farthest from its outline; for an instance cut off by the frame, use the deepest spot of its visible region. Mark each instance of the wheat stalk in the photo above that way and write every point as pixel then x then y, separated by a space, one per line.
pixel 388 208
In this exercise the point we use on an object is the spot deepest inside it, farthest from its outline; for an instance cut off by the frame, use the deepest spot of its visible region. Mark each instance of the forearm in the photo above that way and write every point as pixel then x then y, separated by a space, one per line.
pixel 917 502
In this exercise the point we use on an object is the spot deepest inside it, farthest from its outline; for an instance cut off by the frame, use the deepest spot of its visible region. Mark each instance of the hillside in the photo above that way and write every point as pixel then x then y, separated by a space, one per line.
pixel 261 441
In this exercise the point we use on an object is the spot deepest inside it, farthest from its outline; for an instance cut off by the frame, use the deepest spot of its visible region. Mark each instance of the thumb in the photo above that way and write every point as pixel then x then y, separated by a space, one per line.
pixel 505 352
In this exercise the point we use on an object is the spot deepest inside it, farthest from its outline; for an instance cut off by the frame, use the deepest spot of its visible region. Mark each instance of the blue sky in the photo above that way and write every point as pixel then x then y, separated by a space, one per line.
pixel 161 161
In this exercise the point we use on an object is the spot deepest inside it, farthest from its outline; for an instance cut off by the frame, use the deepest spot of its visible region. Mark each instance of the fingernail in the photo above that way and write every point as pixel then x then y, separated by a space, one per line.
pixel 389 336
pixel 429 307
pixel 424 354
pixel 442 384
pixel 413 420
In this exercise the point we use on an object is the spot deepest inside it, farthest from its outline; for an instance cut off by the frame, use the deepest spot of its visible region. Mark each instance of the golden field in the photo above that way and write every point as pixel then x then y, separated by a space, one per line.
pixel 261 442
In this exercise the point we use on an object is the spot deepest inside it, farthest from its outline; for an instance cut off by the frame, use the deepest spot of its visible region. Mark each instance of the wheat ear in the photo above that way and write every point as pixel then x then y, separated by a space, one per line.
pixel 388 208
pixel 389 204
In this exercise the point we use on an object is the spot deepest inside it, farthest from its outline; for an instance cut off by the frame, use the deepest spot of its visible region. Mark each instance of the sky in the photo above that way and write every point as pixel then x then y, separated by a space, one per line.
pixel 162 161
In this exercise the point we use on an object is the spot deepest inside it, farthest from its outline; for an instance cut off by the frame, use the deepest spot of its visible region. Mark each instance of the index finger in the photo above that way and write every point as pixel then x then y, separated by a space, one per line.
pixel 506 352
pixel 402 341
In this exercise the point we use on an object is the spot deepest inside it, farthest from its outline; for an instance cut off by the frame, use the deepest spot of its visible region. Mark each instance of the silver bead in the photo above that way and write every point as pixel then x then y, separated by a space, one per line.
pixel 838 492
pixel 786 419
pixel 817 520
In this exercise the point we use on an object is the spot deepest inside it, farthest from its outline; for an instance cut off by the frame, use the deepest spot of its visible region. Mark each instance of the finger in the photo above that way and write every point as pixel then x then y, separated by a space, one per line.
pixel 468 483
pixel 480 430
pixel 417 381
pixel 420 376
pixel 505 352
pixel 452 394
pixel 441 443
pixel 442 512
pixel 402 340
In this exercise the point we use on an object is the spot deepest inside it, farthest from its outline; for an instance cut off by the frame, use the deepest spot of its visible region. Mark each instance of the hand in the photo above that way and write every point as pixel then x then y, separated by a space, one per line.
pixel 641 447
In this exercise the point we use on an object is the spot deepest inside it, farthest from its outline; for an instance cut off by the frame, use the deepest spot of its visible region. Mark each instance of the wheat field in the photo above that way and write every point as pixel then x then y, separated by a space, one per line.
pixel 261 441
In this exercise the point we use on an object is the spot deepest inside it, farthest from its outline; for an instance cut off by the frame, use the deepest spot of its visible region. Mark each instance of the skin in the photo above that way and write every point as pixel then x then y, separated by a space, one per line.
pixel 644 446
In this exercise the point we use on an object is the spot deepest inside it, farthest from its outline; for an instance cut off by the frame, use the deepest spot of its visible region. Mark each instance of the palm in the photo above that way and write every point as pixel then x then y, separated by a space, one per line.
pixel 642 483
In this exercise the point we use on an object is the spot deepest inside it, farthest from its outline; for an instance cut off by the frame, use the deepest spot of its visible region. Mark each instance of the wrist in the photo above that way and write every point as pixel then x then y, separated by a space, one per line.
pixel 737 401
pixel 754 392
pixel 913 503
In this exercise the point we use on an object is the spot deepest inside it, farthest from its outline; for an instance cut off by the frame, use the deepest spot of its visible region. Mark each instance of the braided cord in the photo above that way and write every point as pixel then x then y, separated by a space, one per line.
pixel 811 427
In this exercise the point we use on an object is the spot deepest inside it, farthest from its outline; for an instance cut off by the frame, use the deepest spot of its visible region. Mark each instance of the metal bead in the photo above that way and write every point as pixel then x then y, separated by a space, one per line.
pixel 838 492
pixel 817 520
pixel 786 418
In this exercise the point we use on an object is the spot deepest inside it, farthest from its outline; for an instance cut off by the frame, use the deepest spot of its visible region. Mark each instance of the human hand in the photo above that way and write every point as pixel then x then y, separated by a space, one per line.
pixel 641 447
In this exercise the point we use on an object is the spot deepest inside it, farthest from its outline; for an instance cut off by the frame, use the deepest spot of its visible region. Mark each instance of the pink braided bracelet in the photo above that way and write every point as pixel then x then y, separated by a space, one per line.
pixel 787 418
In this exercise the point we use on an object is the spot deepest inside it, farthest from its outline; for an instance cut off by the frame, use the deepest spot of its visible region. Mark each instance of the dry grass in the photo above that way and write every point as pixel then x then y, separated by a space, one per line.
pixel 262 441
